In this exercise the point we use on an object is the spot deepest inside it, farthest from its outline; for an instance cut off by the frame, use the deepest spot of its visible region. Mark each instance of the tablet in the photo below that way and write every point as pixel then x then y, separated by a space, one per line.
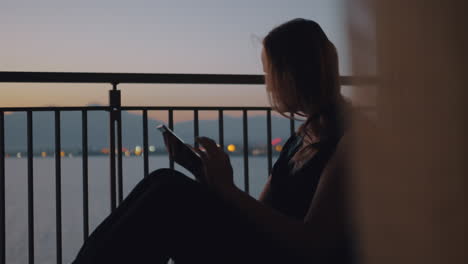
pixel 180 152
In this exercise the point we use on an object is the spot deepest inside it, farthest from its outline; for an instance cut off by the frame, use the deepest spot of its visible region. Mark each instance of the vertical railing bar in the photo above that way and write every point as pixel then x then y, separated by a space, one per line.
pixel 119 156
pixel 171 127
pixel 58 187
pixel 145 144
pixel 84 157
pixel 269 140
pixel 2 190
pixel 196 129
pixel 30 188
pixel 246 150
pixel 221 128
pixel 291 124
pixel 112 159
pixel 114 117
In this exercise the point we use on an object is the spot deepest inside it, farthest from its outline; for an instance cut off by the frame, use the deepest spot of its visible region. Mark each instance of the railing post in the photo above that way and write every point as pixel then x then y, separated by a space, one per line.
pixel 114 104
pixel 269 146
pixel 58 187
pixel 84 142
pixel 171 127
pixel 221 128
pixel 119 153
pixel 29 116
pixel 246 150
pixel 145 144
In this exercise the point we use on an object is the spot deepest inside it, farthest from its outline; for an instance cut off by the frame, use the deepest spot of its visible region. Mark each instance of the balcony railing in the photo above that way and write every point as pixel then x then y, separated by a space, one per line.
pixel 115 135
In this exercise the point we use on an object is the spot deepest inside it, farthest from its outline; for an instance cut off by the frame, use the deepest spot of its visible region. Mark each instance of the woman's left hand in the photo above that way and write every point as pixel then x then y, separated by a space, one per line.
pixel 218 171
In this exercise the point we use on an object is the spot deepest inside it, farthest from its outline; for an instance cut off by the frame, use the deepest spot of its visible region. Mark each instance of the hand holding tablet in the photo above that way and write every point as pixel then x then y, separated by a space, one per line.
pixel 182 153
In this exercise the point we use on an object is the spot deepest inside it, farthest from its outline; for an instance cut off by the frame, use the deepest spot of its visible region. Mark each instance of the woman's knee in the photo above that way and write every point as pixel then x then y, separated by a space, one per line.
pixel 175 182
pixel 167 175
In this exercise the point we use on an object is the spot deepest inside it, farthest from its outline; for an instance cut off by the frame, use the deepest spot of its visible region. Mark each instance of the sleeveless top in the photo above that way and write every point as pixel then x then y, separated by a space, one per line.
pixel 291 191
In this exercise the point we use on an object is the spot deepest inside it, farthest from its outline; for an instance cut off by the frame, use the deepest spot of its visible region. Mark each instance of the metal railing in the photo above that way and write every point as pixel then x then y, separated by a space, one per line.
pixel 115 135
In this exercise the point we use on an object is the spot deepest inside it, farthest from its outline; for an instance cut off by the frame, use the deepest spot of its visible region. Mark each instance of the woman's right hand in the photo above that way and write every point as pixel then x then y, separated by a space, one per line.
pixel 217 168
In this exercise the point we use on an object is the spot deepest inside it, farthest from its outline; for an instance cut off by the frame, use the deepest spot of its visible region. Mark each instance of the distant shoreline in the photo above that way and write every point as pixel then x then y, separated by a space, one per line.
pixel 24 155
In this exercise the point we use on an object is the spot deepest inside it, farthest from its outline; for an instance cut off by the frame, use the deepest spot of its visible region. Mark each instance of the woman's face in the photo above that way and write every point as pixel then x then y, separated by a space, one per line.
pixel 264 60
pixel 266 68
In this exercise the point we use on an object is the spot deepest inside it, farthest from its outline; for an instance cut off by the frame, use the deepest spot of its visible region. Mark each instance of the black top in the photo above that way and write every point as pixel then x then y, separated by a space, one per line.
pixel 291 191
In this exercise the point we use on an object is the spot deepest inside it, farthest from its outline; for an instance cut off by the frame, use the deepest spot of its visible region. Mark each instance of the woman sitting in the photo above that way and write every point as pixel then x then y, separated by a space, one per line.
pixel 301 215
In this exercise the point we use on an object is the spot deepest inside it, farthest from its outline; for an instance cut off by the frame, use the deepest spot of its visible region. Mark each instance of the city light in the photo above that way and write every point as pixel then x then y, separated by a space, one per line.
pixel 44 154
pixel 138 150
pixel 105 151
pixel 231 148
pixel 152 148
pixel 276 141
pixel 278 148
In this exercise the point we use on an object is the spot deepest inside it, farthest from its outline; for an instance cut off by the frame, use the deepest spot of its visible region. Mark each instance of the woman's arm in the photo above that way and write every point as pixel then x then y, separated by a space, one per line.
pixel 322 229
pixel 309 238
pixel 265 195
pixel 287 232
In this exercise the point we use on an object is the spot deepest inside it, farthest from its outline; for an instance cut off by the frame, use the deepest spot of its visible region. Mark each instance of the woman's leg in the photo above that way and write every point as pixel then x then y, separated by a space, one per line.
pixel 206 229
pixel 169 214
pixel 138 193
pixel 123 226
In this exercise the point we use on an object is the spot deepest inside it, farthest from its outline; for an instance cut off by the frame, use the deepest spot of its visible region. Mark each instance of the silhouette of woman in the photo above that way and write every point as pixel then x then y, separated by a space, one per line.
pixel 301 215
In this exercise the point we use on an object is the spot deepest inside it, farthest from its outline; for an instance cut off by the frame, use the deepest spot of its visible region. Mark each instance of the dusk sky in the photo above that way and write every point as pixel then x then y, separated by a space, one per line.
pixel 149 37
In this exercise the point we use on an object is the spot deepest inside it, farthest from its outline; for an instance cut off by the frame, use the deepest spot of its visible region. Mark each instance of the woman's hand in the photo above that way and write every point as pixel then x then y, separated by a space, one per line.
pixel 183 155
pixel 216 164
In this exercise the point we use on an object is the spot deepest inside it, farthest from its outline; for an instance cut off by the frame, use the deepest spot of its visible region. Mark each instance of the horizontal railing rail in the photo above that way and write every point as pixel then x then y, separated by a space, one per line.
pixel 115 134
pixel 148 78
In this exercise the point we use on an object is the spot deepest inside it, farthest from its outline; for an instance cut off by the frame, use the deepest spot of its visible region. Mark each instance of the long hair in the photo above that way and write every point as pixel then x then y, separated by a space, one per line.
pixel 303 77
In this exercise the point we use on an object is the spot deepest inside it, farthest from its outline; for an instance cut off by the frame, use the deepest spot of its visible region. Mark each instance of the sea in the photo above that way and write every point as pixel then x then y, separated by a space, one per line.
pixel 45 250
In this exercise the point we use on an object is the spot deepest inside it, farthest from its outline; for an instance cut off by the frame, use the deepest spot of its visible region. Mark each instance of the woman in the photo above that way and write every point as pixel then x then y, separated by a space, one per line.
pixel 301 214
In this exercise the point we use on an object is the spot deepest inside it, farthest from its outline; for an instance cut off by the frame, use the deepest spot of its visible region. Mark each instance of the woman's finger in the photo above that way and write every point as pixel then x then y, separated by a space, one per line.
pixel 208 144
pixel 201 153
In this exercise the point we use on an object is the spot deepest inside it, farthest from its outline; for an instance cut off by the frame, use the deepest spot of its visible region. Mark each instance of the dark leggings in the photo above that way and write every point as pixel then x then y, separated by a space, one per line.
pixel 168 215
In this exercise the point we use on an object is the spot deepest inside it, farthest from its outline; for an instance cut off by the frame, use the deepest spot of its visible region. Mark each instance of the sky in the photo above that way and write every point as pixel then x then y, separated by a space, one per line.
pixel 174 36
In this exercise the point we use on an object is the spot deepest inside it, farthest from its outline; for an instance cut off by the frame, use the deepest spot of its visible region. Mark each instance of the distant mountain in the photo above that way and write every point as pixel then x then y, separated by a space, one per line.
pixel 98 132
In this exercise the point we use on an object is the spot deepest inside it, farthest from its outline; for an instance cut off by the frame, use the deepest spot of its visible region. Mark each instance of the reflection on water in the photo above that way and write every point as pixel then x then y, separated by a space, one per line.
pixel 72 200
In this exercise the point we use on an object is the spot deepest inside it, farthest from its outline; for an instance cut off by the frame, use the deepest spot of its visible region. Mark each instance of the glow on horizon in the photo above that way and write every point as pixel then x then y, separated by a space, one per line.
pixel 205 36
